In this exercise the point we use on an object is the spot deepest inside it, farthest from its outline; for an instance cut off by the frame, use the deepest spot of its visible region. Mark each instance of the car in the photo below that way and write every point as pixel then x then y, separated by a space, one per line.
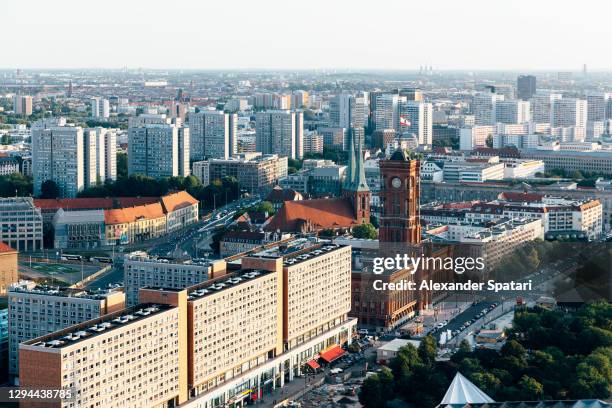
pixel 363 332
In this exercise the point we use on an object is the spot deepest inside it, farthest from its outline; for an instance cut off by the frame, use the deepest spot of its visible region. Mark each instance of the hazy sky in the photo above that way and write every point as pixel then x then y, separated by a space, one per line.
pixel 375 34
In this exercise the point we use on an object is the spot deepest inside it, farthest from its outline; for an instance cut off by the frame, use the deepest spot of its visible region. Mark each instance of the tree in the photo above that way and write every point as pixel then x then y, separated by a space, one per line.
pixel 15 184
pixel 5 140
pixel 365 231
pixel 49 189
pixel 122 165
pixel 264 206
pixel 489 141
pixel 428 350
pixel 370 394
pixel 532 389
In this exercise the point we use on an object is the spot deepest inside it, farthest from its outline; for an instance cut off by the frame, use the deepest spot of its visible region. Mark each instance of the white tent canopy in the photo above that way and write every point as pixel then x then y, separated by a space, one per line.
pixel 463 391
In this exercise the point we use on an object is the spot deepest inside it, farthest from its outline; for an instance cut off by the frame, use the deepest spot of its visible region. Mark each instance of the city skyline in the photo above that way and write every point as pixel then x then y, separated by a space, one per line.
pixel 293 36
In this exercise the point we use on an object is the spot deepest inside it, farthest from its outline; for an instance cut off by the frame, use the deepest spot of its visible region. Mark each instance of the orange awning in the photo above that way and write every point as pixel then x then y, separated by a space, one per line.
pixel 313 364
pixel 332 353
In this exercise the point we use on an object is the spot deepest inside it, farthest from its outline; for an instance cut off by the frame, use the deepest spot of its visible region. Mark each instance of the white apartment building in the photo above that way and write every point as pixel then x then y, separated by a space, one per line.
pixel 58 154
pixel 158 148
pixel 386 113
pixel 419 115
pixel 597 106
pixel 280 132
pixel 568 112
pixel 512 111
pixel 484 108
pixel 100 108
pixel 541 106
pixel 36 310
pixel 213 135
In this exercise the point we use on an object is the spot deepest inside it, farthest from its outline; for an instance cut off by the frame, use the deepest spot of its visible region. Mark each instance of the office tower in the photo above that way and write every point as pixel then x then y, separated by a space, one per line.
pixel 416 117
pixel 8 268
pixel 276 133
pixel 100 108
pixel 569 112
pixel 22 105
pixel 597 105
pixel 58 155
pixel 299 99
pixel 386 113
pixel 483 108
pixel 541 106
pixel 21 224
pixel 36 310
pixel 525 86
pixel 255 172
pixel 236 105
pixel 212 134
pixel 299 134
pixel 157 148
pixel 512 111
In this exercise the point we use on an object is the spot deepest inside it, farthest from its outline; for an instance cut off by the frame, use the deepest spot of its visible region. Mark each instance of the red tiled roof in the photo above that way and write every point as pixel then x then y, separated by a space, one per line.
pixel 107 203
pixel 331 354
pixel 176 201
pixel 322 213
pixel 131 214
pixel 6 248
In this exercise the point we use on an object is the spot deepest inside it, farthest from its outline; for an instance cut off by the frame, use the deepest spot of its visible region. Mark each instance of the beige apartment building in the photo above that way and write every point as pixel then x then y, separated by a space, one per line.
pixel 36 310
pixel 129 358
pixel 233 337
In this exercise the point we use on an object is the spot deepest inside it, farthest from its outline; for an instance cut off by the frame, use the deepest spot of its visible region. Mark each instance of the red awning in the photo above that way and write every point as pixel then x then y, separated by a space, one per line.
pixel 313 364
pixel 332 353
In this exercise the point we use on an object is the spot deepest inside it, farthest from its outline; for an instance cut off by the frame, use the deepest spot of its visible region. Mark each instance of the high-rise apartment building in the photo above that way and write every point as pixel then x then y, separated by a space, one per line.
pixel 386 113
pixel 100 108
pixel 597 106
pixel 212 135
pixel 569 112
pixel 104 142
pixel 21 224
pixel 36 310
pixel 512 111
pixel 541 106
pixel 158 148
pixel 228 340
pixel 280 132
pixel 22 105
pixel 484 108
pixel 525 87
pixel 58 154
pixel 416 117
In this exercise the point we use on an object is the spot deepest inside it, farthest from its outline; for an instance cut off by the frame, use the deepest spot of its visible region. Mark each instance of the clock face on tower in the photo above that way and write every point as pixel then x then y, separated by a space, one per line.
pixel 396 182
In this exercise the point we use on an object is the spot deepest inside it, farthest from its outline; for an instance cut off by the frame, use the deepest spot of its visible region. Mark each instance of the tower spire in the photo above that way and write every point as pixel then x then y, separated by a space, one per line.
pixel 360 183
pixel 349 180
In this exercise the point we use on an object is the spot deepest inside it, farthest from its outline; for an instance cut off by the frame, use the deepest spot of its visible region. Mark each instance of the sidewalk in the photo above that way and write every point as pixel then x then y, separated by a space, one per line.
pixel 291 391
